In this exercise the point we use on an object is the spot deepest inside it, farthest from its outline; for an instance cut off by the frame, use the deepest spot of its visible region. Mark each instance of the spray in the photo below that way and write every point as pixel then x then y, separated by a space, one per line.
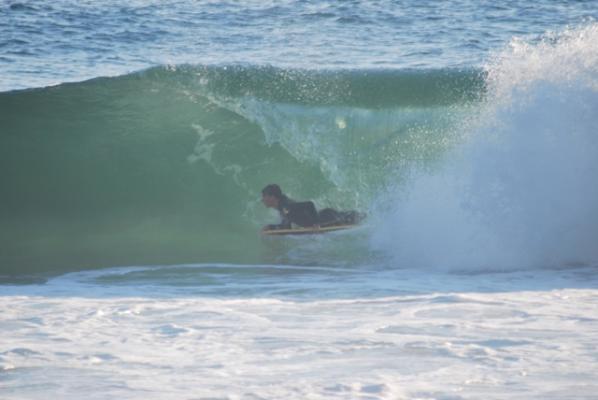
pixel 521 190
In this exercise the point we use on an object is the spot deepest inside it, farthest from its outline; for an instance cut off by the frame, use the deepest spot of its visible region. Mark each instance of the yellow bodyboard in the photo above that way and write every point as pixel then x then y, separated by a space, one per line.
pixel 307 231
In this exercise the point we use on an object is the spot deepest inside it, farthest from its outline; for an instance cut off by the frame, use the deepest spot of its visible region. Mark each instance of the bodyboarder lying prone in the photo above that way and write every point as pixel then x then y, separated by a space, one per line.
pixel 304 213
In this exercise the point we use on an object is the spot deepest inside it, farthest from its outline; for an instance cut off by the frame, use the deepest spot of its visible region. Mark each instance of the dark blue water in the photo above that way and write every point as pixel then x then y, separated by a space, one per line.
pixel 48 42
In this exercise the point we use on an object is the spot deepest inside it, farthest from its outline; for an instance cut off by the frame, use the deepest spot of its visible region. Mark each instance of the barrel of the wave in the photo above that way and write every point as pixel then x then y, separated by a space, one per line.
pixel 164 166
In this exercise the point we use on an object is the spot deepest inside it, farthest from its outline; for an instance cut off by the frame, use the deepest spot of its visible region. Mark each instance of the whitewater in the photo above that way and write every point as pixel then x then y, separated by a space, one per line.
pixel 135 140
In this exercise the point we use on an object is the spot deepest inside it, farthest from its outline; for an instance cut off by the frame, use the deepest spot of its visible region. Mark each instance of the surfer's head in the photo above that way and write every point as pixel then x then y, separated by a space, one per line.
pixel 271 195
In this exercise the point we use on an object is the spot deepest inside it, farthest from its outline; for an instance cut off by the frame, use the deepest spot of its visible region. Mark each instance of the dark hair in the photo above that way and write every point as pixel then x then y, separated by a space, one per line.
pixel 272 190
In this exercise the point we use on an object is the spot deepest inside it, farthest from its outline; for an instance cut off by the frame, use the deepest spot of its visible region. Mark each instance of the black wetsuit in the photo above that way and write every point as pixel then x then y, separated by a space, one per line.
pixel 329 217
pixel 304 214
pixel 291 212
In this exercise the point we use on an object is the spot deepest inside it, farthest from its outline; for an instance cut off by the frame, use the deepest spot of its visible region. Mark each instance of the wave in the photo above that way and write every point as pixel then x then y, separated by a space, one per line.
pixel 166 165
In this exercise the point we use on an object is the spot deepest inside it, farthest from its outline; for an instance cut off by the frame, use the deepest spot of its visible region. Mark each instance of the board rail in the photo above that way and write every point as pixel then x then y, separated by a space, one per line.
pixel 307 231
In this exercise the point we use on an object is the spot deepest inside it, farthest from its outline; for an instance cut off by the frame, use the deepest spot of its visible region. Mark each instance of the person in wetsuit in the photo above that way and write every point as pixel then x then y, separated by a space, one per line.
pixel 303 214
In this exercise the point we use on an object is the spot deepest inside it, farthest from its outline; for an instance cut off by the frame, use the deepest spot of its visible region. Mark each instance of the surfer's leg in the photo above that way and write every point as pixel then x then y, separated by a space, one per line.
pixel 328 216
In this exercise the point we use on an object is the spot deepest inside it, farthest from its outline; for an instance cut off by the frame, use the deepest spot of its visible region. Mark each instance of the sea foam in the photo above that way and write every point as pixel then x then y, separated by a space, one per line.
pixel 520 190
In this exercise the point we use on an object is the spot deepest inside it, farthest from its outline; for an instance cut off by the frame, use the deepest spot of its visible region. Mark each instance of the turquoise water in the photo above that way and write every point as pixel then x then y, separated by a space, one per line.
pixel 166 166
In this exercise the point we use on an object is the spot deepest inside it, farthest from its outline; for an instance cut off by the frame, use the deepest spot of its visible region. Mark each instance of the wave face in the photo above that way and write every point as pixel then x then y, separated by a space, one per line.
pixel 166 165
pixel 521 191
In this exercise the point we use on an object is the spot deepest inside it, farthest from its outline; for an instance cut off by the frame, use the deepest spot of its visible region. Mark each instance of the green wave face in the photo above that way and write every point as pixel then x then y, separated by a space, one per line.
pixel 166 165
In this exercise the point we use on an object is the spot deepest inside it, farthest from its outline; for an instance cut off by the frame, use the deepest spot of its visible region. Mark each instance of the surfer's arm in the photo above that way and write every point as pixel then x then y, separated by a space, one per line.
pixel 285 222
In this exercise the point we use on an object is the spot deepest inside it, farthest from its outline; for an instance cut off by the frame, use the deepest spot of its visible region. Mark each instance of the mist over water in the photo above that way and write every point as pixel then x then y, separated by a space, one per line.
pixel 520 191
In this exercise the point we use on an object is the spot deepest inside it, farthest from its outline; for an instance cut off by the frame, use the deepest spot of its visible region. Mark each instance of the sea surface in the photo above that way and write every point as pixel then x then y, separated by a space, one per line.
pixel 135 139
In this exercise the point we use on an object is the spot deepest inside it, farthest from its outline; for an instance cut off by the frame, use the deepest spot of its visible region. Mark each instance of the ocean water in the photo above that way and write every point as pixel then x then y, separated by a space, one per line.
pixel 135 138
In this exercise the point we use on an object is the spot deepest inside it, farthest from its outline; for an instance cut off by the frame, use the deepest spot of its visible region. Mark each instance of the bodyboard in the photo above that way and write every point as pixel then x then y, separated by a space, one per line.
pixel 307 231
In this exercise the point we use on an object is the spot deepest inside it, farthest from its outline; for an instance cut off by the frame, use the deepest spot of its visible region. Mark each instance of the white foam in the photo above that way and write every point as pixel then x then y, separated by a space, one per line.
pixel 521 191
pixel 430 344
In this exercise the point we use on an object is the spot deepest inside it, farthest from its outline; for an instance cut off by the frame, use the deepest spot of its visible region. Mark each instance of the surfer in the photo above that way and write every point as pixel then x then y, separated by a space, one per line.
pixel 304 213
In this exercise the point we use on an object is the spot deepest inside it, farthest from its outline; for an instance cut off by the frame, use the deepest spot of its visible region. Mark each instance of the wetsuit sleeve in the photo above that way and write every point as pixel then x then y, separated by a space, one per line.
pixel 285 222
pixel 303 214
